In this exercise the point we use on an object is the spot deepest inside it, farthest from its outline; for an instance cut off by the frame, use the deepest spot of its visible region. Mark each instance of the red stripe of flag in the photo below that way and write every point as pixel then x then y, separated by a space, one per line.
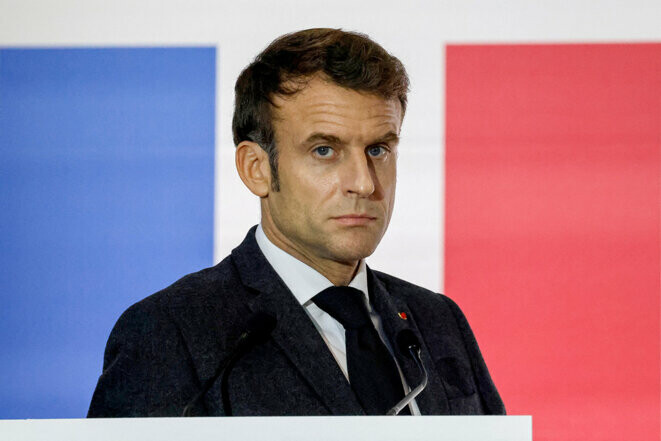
pixel 552 229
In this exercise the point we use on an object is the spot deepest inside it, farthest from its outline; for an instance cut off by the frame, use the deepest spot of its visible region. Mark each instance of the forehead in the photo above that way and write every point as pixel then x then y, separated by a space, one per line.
pixel 322 106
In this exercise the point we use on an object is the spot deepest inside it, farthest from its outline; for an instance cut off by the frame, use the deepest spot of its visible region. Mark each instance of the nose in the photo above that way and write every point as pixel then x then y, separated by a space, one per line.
pixel 359 178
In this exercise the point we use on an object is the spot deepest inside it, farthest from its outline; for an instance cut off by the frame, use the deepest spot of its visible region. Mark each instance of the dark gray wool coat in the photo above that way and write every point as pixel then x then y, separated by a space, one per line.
pixel 163 348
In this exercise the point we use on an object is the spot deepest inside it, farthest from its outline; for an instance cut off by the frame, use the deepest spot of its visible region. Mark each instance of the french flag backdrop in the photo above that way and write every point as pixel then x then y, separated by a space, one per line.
pixel 529 186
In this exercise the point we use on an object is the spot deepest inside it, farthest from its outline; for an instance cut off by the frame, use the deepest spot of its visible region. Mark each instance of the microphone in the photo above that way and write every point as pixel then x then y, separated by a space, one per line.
pixel 259 328
pixel 409 345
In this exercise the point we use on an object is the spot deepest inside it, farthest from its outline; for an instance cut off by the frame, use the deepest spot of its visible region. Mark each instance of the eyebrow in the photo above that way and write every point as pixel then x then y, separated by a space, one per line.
pixel 388 137
pixel 323 137
pixel 315 137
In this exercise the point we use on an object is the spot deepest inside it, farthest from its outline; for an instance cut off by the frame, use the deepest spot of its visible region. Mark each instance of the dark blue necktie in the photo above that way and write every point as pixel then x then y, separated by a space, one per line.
pixel 373 374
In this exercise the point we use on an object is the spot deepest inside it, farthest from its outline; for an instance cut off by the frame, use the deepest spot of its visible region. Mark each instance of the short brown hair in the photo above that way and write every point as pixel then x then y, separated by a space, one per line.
pixel 348 59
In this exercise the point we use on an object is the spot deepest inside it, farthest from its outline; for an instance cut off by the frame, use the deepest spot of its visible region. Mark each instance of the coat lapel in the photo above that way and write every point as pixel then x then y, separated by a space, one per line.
pixel 294 334
pixel 433 400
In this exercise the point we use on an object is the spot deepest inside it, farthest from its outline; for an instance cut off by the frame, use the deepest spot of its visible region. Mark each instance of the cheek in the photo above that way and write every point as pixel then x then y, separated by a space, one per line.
pixel 389 184
pixel 387 176
pixel 312 187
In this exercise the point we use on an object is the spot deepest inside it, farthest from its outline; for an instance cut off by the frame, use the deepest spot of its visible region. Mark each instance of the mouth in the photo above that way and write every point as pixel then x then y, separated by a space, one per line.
pixel 355 219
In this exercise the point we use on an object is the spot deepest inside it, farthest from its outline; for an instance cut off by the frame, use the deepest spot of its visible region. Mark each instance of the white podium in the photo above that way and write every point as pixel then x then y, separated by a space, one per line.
pixel 351 428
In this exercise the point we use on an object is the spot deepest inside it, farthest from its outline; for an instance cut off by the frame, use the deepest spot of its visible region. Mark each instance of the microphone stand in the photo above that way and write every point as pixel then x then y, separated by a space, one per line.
pixel 259 329
pixel 415 352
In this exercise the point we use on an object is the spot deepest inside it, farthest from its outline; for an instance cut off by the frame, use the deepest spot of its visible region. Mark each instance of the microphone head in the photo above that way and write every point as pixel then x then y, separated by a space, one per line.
pixel 406 340
pixel 260 326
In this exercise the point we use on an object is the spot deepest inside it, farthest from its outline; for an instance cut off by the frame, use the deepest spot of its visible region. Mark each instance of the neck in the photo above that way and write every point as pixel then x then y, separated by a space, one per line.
pixel 338 273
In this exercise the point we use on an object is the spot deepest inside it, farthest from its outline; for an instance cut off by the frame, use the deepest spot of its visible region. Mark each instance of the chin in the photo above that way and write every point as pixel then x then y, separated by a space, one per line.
pixel 351 252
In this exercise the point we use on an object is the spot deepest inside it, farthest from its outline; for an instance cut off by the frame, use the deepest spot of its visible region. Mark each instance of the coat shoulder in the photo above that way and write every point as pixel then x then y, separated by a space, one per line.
pixel 195 287
pixel 412 293
pixel 152 358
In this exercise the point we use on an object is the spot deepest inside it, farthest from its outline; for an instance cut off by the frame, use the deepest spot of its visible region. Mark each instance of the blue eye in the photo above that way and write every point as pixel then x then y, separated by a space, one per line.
pixel 324 151
pixel 376 150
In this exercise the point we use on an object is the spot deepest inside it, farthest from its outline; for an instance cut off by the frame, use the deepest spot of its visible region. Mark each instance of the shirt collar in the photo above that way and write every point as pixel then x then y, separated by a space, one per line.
pixel 302 280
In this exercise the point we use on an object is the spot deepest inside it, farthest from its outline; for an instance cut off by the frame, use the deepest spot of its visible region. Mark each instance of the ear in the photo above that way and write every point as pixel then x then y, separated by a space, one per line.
pixel 252 163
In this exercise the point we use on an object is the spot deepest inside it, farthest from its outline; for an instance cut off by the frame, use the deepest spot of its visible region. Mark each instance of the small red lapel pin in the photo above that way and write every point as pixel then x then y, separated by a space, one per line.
pixel 402 315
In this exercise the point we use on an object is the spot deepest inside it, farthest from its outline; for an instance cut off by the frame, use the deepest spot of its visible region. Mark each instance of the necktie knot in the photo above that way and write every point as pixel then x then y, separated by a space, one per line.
pixel 344 304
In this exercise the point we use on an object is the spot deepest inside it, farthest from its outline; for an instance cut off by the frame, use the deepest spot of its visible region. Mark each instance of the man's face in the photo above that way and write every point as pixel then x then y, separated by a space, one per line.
pixel 337 168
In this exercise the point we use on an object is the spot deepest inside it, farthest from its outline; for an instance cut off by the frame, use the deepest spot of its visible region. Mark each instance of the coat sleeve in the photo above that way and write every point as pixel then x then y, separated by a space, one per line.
pixel 147 370
pixel 490 396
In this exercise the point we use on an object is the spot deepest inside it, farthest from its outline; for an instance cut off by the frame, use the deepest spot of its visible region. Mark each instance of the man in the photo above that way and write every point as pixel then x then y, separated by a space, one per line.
pixel 316 125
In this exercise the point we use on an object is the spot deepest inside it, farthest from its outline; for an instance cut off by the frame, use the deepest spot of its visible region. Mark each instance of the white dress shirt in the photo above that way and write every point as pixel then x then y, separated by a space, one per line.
pixel 305 282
